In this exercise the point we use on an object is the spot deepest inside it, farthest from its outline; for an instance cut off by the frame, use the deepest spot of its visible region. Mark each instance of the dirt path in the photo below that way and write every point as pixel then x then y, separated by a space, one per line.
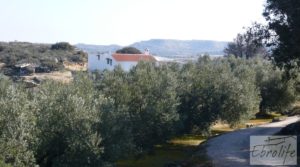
pixel 232 149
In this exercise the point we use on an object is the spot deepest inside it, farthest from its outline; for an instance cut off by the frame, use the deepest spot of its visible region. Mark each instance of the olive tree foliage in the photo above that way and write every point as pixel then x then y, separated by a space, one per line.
pixel 54 125
pixel 144 105
pixel 153 104
pixel 116 123
pixel 277 93
pixel 95 121
pixel 85 123
pixel 213 90
pixel 68 120
pixel 17 125
pixel 245 93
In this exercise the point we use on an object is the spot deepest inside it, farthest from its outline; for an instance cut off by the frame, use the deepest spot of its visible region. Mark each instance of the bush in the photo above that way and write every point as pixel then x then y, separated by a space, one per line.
pixel 52 65
pixel 79 57
pixel 42 69
pixel 129 50
pixel 62 46
pixel 76 58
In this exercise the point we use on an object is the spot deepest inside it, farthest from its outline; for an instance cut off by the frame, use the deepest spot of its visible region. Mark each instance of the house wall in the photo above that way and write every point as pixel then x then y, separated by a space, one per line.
pixel 94 63
pixel 100 63
pixel 127 65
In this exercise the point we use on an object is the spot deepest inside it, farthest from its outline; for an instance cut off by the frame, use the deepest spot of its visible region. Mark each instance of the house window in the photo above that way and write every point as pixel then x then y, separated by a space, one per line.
pixel 109 61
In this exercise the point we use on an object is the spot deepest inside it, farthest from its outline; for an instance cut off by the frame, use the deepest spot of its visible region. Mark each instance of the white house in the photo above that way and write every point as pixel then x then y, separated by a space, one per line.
pixel 102 61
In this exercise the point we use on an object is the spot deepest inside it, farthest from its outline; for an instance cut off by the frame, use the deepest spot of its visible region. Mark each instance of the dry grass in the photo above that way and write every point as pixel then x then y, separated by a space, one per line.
pixel 259 121
pixel 297 104
pixel 188 140
pixel 222 127
pixel 75 66
pixel 62 76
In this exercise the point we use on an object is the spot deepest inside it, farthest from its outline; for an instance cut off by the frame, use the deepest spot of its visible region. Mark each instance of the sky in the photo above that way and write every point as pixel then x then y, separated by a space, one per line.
pixel 124 22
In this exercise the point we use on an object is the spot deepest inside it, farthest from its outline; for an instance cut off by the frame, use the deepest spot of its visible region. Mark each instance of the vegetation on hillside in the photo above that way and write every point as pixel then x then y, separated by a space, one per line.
pixel 43 55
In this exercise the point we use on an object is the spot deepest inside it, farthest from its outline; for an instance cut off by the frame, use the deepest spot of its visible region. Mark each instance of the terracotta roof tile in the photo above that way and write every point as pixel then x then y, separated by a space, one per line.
pixel 133 57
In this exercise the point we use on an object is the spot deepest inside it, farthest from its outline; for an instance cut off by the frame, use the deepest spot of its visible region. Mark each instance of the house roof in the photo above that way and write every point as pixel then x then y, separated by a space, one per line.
pixel 132 57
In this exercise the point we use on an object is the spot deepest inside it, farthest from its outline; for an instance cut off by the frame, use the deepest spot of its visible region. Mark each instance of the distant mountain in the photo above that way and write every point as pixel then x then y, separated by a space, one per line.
pixel 166 47
pixel 98 48
pixel 170 48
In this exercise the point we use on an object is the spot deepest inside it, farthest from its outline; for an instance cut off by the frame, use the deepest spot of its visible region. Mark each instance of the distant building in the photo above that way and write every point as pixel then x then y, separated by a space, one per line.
pixel 102 61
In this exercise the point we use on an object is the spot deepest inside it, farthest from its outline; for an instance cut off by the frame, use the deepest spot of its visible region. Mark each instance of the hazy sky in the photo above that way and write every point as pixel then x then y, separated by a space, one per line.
pixel 125 21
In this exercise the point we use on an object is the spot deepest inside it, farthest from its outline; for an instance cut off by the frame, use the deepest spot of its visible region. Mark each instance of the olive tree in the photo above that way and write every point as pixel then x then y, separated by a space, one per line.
pixel 217 90
pixel 68 119
pixel 153 104
pixel 17 125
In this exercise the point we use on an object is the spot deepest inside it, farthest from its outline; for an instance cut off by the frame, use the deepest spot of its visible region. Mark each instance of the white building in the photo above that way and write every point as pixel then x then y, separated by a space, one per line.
pixel 102 61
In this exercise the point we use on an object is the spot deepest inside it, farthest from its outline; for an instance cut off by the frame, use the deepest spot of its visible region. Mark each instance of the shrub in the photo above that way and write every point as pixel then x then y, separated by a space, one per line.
pixel 62 46
pixel 129 50
pixel 52 65
pixel 76 58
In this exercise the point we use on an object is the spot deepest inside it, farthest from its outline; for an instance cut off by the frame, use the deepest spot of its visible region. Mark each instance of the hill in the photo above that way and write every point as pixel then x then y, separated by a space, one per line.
pixel 24 58
pixel 166 47
pixel 14 53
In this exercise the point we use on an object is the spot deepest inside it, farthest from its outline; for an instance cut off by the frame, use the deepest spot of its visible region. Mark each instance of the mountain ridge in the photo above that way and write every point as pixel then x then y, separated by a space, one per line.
pixel 166 47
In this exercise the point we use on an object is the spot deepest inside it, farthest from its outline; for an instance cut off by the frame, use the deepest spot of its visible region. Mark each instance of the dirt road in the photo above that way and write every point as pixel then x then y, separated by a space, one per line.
pixel 232 149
